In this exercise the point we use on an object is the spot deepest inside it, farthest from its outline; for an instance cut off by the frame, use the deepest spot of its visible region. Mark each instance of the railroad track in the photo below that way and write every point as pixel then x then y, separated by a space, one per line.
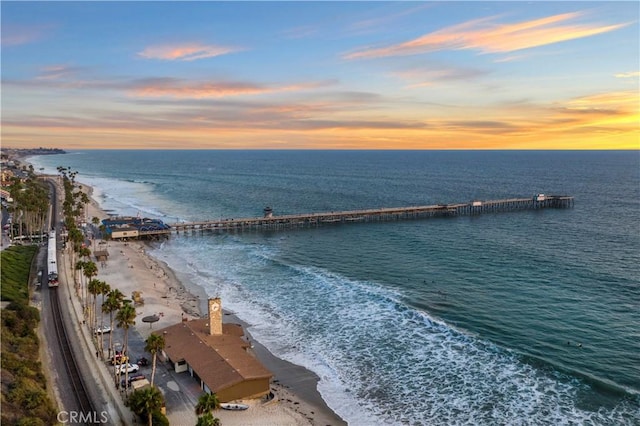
pixel 85 405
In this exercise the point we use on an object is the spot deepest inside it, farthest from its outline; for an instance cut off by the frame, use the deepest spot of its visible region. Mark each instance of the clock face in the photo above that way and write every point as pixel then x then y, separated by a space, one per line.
pixel 215 307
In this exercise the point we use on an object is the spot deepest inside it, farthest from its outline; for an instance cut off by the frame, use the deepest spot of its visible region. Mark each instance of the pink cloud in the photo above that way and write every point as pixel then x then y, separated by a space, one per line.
pixel 197 90
pixel 487 36
pixel 185 52
pixel 57 72
pixel 16 35
pixel 174 88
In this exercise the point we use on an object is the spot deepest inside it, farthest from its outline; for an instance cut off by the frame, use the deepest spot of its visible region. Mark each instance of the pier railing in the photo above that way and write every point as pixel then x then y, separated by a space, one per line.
pixel 271 222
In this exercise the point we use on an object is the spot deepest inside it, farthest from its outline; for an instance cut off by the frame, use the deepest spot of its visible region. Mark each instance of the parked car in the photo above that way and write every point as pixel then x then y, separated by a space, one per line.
pixel 102 330
pixel 132 379
pixel 142 361
pixel 130 368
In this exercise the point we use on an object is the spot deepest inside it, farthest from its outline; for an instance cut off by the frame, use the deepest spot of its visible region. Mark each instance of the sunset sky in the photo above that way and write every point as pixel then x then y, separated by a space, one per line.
pixel 321 75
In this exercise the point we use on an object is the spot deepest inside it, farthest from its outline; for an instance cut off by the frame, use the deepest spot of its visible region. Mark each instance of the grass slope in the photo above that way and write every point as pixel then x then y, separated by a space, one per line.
pixel 23 386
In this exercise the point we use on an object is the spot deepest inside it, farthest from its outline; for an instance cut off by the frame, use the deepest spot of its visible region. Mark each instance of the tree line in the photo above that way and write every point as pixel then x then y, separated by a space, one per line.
pixel 146 402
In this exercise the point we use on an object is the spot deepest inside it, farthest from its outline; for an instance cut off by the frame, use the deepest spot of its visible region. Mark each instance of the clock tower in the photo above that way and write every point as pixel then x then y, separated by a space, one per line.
pixel 215 317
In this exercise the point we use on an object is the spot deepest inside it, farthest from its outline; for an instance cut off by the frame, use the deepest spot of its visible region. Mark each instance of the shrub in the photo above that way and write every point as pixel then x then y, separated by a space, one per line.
pixel 24 399
pixel 14 274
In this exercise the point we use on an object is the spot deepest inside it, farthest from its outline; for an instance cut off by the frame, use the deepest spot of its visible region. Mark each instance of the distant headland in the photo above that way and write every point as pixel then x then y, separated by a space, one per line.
pixel 25 152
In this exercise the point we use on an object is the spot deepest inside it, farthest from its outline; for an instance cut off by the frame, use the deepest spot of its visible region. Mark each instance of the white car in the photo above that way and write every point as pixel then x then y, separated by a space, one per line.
pixel 103 329
pixel 130 368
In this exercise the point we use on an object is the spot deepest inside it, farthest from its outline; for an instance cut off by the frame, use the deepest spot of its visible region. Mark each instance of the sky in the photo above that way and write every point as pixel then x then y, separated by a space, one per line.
pixel 320 75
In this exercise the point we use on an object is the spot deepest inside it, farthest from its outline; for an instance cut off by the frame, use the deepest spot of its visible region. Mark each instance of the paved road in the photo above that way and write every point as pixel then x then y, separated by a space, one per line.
pixel 181 391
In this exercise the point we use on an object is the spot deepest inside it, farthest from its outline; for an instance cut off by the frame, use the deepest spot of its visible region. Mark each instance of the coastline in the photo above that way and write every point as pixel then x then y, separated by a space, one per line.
pixel 297 399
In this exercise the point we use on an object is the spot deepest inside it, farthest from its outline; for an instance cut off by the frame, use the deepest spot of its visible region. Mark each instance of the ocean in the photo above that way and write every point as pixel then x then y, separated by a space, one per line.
pixel 523 318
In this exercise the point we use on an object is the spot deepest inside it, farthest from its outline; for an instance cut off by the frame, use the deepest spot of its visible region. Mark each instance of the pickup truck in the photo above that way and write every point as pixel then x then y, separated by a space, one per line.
pixel 129 368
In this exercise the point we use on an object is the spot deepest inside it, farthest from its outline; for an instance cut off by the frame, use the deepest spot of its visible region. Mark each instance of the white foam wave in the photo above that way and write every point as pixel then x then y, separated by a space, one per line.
pixel 378 360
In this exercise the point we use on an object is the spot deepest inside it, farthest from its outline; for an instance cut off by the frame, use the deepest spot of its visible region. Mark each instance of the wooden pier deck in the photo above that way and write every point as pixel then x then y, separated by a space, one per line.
pixel 269 222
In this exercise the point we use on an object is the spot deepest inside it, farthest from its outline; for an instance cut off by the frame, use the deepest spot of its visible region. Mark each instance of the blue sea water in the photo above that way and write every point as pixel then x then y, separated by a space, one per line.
pixel 469 320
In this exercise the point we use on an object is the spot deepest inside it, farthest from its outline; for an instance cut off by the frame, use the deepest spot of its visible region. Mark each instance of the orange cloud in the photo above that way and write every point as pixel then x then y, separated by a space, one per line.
pixel 196 90
pixel 185 52
pixel 488 37
pixel 168 87
pixel 346 120
pixel 628 101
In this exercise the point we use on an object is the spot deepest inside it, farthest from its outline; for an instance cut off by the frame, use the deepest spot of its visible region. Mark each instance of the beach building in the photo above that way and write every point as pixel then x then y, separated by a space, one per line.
pixel 216 355
pixel 134 227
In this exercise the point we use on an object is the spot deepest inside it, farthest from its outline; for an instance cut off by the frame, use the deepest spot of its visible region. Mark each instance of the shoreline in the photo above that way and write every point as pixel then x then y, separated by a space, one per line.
pixel 297 401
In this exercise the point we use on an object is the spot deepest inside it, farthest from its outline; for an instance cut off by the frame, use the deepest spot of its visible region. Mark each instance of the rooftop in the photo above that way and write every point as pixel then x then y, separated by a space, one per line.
pixel 219 360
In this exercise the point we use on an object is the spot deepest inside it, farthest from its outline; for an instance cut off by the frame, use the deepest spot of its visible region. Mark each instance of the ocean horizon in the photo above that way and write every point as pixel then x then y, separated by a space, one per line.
pixel 527 317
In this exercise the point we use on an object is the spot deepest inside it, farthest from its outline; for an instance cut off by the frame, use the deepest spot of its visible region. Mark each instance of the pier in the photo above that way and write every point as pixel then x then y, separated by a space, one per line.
pixel 284 222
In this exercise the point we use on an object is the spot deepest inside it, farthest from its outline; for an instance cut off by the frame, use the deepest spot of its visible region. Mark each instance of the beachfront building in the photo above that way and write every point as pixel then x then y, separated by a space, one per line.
pixel 122 228
pixel 216 355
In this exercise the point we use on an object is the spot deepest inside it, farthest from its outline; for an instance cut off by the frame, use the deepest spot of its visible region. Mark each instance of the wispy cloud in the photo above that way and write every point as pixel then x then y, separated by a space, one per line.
pixel 15 35
pixel 594 121
pixel 418 77
pixel 185 52
pixel 171 87
pixel 625 101
pixel 63 77
pixel 57 72
pixel 176 88
pixel 487 36
pixel 630 74
pixel 376 23
pixel 300 32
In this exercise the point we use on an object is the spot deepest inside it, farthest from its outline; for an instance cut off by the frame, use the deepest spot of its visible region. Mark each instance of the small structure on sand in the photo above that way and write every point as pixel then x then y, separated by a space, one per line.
pixel 151 319
pixel 101 255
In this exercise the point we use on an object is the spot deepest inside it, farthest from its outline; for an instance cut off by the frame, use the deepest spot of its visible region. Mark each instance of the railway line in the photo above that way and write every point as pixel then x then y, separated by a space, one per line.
pixel 77 398
pixel 84 403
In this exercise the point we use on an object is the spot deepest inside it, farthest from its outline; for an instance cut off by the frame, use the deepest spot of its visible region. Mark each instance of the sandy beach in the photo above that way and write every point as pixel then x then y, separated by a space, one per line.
pixel 129 268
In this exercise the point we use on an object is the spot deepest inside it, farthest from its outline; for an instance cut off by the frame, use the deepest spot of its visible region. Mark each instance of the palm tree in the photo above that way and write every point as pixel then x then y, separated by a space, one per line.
pixel 94 288
pixel 95 221
pixel 104 290
pixel 154 344
pixel 85 253
pixel 79 267
pixel 90 270
pixel 145 401
pixel 126 317
pixel 84 202
pixel 76 238
pixel 207 402
pixel 207 419
pixel 111 305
